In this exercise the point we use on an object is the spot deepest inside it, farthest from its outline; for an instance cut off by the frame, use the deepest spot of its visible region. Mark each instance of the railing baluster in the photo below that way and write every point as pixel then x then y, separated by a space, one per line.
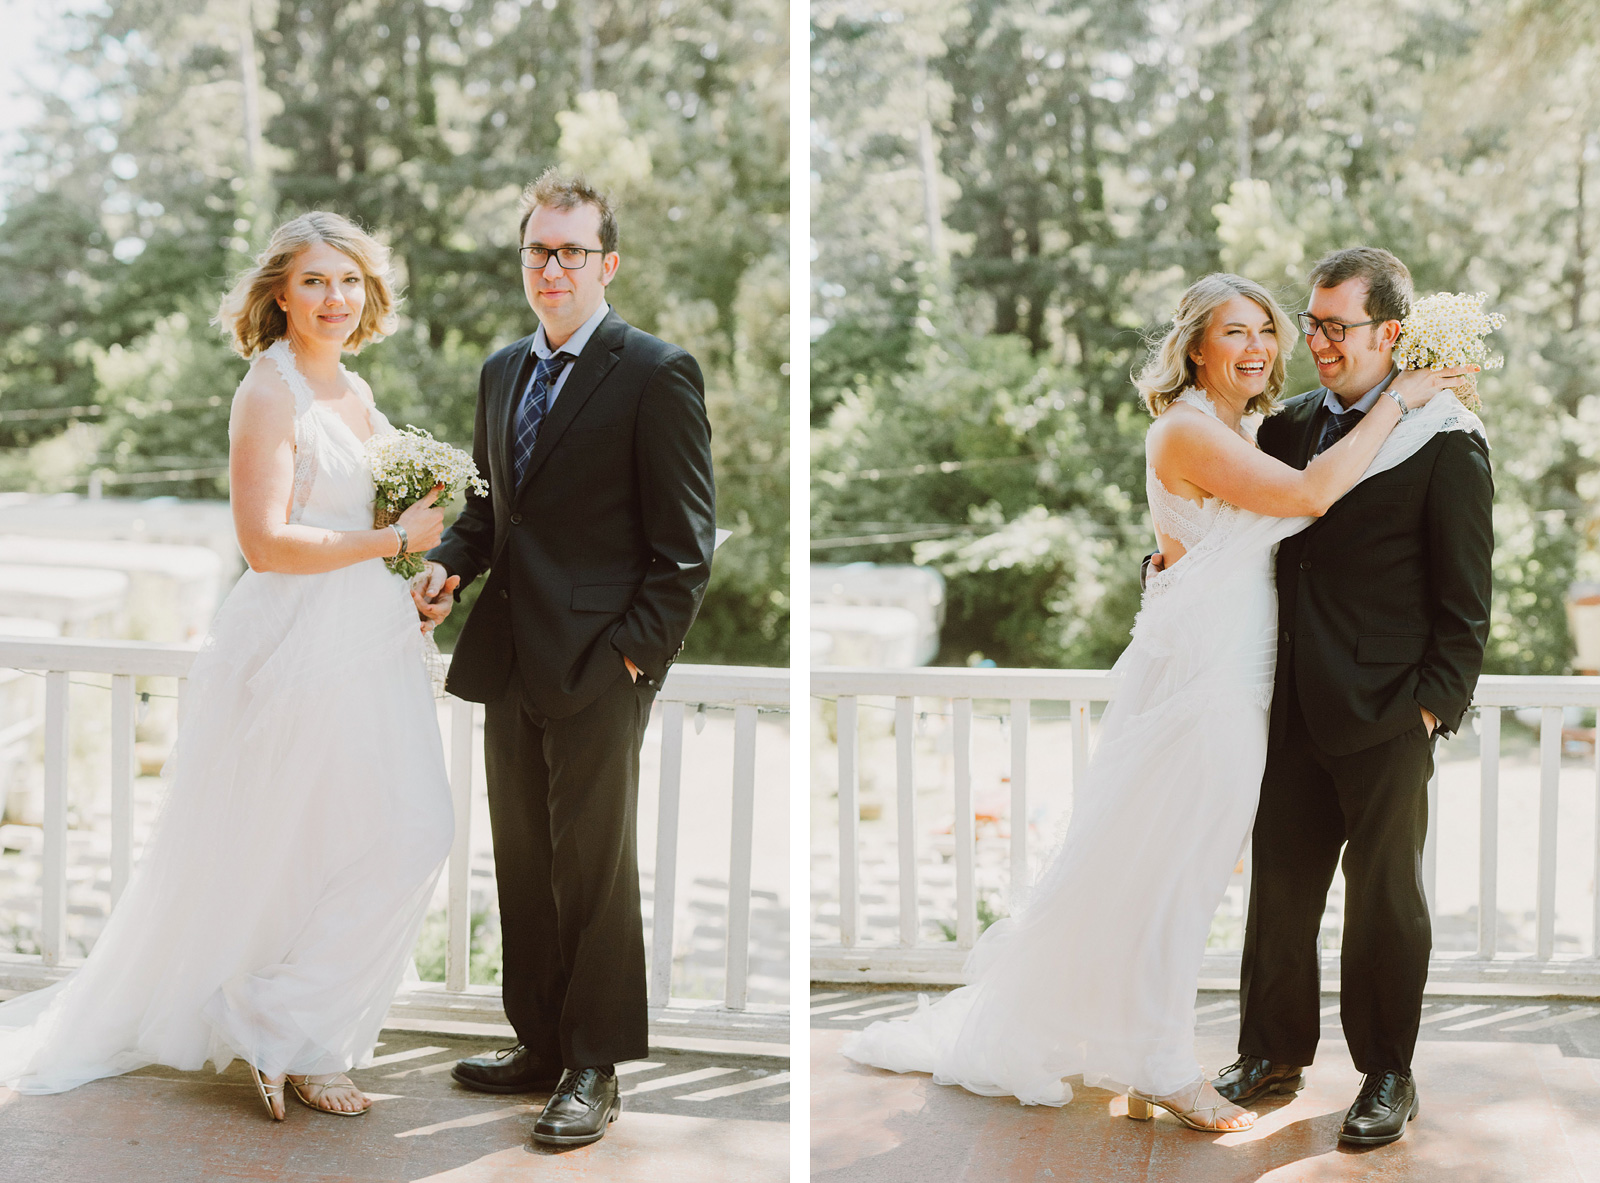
pixel 1430 847
pixel 663 906
pixel 121 783
pixel 744 822
pixel 53 915
pixel 905 814
pixel 1019 800
pixel 458 903
pixel 1080 744
pixel 1549 799
pixel 1488 830
pixel 849 821
pixel 1594 948
pixel 966 845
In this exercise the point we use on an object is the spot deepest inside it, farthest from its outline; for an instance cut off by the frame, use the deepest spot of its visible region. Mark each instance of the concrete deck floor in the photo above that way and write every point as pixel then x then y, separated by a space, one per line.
pixel 697 1117
pixel 1499 1105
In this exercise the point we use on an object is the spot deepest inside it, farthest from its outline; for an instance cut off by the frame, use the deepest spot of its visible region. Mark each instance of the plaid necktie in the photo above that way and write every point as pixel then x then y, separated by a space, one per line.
pixel 1337 427
pixel 531 412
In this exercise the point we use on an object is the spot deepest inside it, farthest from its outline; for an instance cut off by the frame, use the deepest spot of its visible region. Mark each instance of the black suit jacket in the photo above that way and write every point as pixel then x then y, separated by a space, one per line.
pixel 1383 602
pixel 604 549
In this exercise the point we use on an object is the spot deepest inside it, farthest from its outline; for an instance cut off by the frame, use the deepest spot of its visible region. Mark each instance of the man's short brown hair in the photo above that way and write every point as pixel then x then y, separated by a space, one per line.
pixel 555 190
pixel 1389 288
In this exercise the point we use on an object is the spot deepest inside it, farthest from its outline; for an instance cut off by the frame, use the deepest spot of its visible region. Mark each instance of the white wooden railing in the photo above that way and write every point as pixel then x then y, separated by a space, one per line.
pixel 746 690
pixel 913 958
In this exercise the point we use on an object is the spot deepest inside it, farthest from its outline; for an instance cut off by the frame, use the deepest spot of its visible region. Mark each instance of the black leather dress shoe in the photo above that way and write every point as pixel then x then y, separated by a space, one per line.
pixel 1250 1077
pixel 509 1070
pixel 1387 1101
pixel 578 1112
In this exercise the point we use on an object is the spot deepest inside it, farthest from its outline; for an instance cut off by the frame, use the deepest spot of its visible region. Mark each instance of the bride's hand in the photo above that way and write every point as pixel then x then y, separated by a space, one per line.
pixel 423 523
pixel 1418 387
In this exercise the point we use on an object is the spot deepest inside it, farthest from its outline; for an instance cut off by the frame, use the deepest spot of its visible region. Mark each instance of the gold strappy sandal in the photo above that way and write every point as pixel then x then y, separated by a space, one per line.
pixel 1142 1107
pixel 267 1092
pixel 318 1087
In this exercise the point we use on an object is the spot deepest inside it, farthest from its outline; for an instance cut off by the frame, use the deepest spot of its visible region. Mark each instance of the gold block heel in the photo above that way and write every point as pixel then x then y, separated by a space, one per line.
pixel 1139 1109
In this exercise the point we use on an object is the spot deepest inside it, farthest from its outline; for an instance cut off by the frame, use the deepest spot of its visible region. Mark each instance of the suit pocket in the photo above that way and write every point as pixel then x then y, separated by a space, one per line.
pixel 603 597
pixel 1390 650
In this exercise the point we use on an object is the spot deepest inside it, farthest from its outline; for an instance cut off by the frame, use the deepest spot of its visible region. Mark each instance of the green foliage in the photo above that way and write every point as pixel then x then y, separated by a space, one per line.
pixel 987 915
pixel 1089 164
pixel 423 122
pixel 484 954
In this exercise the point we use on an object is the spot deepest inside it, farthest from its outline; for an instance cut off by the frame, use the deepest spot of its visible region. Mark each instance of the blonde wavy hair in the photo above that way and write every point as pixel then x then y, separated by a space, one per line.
pixel 1168 371
pixel 249 313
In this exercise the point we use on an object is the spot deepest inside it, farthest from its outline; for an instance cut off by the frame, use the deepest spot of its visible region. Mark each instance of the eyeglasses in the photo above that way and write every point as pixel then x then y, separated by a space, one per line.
pixel 571 258
pixel 1333 330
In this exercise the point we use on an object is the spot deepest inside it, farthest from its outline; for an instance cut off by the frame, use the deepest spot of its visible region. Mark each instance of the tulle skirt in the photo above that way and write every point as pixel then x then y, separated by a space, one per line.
pixel 1097 973
pixel 274 909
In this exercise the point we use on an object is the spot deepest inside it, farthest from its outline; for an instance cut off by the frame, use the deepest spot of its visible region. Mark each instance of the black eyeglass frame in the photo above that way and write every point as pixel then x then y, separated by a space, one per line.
pixel 1310 324
pixel 522 254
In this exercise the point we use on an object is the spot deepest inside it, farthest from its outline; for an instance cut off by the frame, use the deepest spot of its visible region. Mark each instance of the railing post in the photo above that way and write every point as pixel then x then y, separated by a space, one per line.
pixel 1488 830
pixel 458 905
pixel 743 829
pixel 664 904
pixel 53 915
pixel 1594 948
pixel 1549 800
pixel 1019 800
pixel 906 815
pixel 965 839
pixel 1080 745
pixel 849 821
pixel 122 722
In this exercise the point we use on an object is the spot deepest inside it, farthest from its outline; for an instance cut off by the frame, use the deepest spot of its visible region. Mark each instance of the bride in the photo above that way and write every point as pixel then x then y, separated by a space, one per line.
pixel 274 909
pixel 1097 974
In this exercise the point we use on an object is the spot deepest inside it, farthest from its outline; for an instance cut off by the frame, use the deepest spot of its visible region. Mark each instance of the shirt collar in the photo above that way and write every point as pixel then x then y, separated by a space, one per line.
pixel 1365 403
pixel 575 343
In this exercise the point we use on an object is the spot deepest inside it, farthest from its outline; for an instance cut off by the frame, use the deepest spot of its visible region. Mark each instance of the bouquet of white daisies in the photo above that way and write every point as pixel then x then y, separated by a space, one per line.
pixel 405 465
pixel 1447 329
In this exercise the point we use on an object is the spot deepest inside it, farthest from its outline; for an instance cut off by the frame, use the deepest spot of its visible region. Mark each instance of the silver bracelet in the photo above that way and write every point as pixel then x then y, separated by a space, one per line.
pixel 400 533
pixel 1398 401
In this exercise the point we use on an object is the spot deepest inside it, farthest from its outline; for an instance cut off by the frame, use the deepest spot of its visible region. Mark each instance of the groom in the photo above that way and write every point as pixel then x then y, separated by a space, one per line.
pixel 596 536
pixel 1383 612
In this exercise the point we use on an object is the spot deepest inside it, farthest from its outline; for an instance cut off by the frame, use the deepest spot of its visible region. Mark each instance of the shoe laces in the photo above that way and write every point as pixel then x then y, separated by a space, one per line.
pixel 1381 1084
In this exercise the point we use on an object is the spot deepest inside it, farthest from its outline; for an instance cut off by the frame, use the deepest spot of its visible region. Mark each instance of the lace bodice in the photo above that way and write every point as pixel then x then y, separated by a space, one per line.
pixel 332 480
pixel 1177 517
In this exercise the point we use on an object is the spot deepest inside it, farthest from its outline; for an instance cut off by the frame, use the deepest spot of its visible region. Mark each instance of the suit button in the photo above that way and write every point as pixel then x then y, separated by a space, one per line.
pixel 1305 564
pixel 1285 634
pixel 516 519
pixel 504 594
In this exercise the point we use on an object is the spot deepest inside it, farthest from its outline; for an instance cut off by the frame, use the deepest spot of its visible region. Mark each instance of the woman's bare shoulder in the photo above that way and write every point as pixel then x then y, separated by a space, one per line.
pixel 263 398
pixel 1181 424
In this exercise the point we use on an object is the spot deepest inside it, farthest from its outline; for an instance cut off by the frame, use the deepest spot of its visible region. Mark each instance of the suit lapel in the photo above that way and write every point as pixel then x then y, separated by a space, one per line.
pixel 593 364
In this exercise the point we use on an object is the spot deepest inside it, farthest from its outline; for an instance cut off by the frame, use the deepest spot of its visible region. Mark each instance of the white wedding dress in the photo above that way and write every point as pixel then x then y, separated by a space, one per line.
pixel 1097 974
pixel 273 912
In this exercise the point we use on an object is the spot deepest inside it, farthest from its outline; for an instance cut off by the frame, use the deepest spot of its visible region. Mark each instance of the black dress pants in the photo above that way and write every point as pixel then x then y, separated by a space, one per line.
pixel 563 800
pixel 1374 804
